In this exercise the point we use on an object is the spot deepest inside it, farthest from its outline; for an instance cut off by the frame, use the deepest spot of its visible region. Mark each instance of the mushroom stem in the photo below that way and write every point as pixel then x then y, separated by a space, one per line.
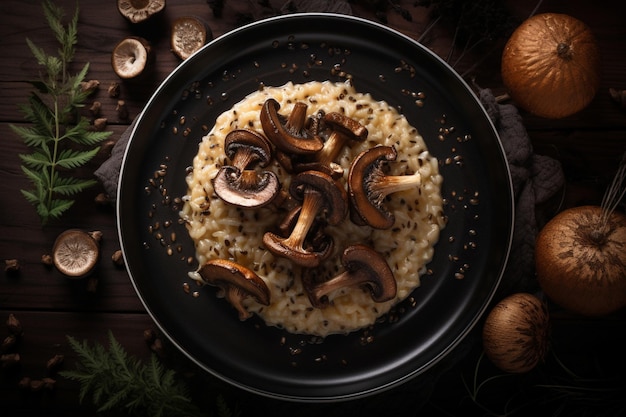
pixel 312 204
pixel 343 129
pixel 297 119
pixel 332 147
pixel 381 185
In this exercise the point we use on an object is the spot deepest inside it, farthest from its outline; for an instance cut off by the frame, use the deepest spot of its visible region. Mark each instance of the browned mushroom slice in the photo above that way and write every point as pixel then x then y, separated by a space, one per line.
pixel 363 267
pixel 343 130
pixel 236 282
pixel 319 193
pixel 289 134
pixel 137 11
pixel 368 186
pixel 237 185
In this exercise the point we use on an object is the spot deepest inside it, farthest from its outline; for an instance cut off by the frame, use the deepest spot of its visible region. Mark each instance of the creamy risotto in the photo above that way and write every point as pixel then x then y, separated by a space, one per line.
pixel 221 230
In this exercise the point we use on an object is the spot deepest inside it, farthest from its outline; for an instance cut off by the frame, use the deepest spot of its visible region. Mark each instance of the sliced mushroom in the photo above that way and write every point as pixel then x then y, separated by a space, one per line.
pixel 343 130
pixel 289 134
pixel 236 282
pixel 319 193
pixel 238 185
pixel 368 186
pixel 137 11
pixel 363 267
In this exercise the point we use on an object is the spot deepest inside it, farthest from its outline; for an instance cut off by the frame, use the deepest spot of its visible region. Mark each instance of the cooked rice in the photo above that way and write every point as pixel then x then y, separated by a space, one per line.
pixel 220 230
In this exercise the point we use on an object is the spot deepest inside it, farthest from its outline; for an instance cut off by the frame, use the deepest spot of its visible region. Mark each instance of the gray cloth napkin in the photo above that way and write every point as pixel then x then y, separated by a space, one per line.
pixel 109 172
pixel 536 179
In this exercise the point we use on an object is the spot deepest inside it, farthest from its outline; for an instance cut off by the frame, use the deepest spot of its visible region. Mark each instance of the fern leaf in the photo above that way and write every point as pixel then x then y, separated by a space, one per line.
pixel 57 208
pixel 33 176
pixel 71 186
pixel 36 160
pixel 71 159
pixel 31 136
pixel 93 138
pixel 38 53
pixel 30 196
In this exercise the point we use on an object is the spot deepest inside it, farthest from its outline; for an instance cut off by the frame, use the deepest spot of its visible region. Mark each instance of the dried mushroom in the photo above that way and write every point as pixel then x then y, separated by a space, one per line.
pixel 137 11
pixel 189 34
pixel 75 253
pixel 363 267
pixel 130 57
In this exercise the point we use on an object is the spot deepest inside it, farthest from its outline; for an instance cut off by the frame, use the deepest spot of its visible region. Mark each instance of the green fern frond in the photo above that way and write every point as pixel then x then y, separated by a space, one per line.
pixel 118 382
pixel 71 159
pixel 71 186
pixel 55 123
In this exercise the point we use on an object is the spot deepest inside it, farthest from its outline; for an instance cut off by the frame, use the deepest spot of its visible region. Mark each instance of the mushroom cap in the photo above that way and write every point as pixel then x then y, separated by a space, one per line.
pixel 250 141
pixel 367 208
pixel 75 253
pixel 289 135
pixel 363 267
pixel 137 11
pixel 345 125
pixel 236 283
pixel 130 57
pixel 334 195
pixel 245 188
pixel 188 34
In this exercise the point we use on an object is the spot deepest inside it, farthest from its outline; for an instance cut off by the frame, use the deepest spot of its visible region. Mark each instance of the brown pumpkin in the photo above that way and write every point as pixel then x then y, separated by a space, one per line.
pixel 551 65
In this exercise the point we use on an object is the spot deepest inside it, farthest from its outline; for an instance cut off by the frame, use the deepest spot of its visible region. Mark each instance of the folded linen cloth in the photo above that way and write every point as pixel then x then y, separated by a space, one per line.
pixel 536 179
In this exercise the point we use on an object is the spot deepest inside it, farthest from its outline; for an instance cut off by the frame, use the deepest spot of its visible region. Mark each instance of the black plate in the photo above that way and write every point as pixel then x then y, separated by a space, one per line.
pixel 469 258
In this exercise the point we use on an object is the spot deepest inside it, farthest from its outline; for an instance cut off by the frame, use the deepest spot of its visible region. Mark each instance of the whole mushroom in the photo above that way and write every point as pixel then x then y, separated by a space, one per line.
pixel 363 267
pixel 137 11
pixel 238 185
pixel 319 193
pixel 343 129
pixel 289 134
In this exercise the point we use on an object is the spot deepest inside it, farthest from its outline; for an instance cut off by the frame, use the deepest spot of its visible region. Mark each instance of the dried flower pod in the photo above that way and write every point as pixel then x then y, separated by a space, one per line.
pixel 95 108
pixel 14 325
pixel 117 258
pixel 46 259
pixel 100 124
pixel 114 90
pixel 54 362
pixel 8 343
pixel 9 360
pixel 618 96
pixel 89 86
pixel 49 383
pixel 11 266
pixel 24 383
pixel 122 110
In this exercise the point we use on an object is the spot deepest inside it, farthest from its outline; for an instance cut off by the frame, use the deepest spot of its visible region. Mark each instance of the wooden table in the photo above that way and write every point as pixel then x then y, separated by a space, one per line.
pixel 49 306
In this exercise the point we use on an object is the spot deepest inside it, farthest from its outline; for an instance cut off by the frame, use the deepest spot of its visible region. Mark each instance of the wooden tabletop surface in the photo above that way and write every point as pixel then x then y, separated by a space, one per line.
pixel 50 307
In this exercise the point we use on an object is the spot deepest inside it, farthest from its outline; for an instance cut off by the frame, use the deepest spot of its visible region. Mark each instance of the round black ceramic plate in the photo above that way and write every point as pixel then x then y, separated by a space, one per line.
pixel 469 258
